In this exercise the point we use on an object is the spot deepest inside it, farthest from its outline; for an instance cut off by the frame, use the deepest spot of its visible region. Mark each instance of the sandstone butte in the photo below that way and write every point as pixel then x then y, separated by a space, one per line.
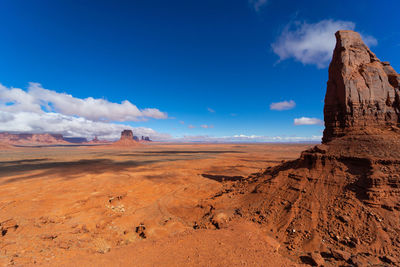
pixel 339 203
pixel 126 139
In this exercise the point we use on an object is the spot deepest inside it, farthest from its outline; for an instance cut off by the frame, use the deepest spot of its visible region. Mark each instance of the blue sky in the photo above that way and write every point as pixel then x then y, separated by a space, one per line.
pixel 216 63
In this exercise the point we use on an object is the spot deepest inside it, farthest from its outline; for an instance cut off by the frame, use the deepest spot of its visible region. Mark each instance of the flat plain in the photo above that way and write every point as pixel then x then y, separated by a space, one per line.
pixel 103 205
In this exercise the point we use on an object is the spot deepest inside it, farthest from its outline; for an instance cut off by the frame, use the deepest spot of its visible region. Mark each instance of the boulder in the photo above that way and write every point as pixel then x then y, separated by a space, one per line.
pixel 341 255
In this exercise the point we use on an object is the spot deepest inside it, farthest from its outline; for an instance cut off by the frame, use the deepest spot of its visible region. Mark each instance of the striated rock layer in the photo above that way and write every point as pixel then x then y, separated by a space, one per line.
pixel 362 92
pixel 339 202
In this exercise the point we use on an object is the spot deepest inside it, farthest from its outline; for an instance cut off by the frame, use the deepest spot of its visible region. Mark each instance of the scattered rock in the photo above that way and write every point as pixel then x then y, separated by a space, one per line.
pixel 140 230
pixel 341 255
pixel 344 218
pixel 48 236
pixel 101 245
pixel 219 220
pixel 359 260
pixel 8 225
pixel 389 259
pixel 313 259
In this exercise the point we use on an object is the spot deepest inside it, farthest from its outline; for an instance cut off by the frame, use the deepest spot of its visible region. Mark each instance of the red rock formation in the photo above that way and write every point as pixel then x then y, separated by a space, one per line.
pixel 32 139
pixel 362 92
pixel 126 139
pixel 341 198
pixel 126 134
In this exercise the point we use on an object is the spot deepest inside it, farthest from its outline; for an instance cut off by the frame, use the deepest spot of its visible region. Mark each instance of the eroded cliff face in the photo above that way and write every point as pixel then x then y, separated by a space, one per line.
pixel 362 92
pixel 339 203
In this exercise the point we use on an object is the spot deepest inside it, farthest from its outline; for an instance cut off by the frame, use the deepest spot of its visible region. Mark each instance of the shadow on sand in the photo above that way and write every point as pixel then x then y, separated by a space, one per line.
pixel 64 169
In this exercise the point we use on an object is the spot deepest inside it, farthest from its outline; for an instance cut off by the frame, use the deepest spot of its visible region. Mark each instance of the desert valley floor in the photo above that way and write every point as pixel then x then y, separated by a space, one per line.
pixel 101 205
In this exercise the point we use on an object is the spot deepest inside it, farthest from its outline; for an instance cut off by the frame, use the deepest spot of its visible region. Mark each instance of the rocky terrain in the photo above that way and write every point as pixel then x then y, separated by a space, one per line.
pixel 339 203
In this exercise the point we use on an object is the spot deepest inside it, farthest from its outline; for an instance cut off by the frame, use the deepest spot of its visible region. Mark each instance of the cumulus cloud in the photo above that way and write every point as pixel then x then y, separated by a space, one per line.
pixel 39 100
pixel 312 43
pixel 308 121
pixel 5 116
pixel 211 110
pixel 181 122
pixel 191 126
pixel 205 126
pixel 40 110
pixel 70 126
pixel 258 4
pixel 284 105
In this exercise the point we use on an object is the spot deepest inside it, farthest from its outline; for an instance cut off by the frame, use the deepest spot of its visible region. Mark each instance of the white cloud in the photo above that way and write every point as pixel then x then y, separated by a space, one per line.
pixel 39 110
pixel 246 136
pixel 211 110
pixel 284 105
pixel 181 122
pixel 71 126
pixel 191 126
pixel 312 43
pixel 205 126
pixel 308 121
pixel 369 40
pixel 5 116
pixel 39 100
pixel 258 4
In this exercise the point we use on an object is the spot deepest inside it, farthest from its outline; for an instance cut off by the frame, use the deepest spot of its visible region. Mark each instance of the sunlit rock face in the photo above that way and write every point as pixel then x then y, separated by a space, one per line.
pixel 362 91
pixel 126 134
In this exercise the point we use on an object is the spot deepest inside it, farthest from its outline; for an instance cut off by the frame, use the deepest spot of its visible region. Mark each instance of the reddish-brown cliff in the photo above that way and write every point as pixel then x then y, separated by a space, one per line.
pixel 362 92
pixel 339 203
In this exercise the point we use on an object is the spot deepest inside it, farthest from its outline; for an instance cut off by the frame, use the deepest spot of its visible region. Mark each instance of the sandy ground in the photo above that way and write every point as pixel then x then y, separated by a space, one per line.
pixel 105 206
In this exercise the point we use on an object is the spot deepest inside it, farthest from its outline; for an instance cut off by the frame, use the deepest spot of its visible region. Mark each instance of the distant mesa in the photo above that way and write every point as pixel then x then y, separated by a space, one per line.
pixel 146 139
pixel 29 139
pixel 340 199
pixel 97 141
pixel 128 139
pixel 126 134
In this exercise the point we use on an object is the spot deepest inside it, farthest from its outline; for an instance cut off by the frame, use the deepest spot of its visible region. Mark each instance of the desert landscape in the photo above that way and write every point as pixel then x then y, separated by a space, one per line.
pixel 65 205
pixel 211 133
pixel 148 203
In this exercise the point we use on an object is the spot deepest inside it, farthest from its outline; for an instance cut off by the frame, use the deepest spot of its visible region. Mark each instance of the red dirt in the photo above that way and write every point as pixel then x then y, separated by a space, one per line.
pixel 73 205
